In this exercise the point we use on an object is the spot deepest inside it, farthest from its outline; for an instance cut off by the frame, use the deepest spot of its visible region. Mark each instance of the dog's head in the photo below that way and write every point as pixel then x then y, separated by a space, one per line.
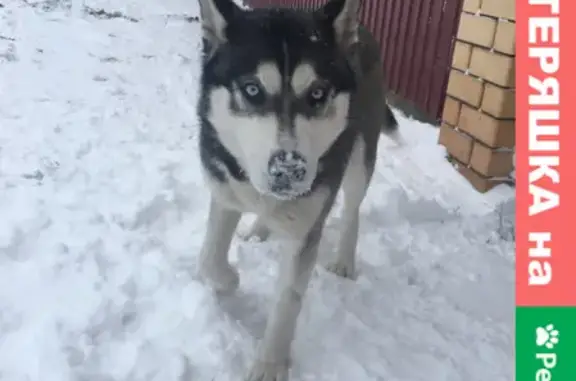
pixel 276 87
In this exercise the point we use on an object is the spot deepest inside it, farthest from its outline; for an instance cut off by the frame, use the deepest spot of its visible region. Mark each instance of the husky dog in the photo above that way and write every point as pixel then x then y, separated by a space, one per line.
pixel 291 109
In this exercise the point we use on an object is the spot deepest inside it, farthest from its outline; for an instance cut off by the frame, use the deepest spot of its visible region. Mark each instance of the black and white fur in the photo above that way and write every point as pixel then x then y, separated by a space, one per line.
pixel 291 109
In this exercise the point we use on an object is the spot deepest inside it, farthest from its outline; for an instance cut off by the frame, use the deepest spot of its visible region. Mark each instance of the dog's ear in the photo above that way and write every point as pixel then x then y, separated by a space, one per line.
pixel 215 15
pixel 343 15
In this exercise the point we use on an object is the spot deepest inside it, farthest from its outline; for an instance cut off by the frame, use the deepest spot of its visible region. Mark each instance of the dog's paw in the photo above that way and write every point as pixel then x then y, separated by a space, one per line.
pixel 222 278
pixel 341 269
pixel 255 232
pixel 268 371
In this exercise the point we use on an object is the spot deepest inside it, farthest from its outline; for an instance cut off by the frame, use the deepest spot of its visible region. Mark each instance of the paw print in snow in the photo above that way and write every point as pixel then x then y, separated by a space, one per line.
pixel 547 336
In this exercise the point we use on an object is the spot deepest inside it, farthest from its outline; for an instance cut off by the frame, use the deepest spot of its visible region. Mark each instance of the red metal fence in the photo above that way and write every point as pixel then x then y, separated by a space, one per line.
pixel 417 42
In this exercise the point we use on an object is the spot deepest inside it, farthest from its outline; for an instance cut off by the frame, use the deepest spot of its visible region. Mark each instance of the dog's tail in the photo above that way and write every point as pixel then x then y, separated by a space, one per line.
pixel 390 121
pixel 390 127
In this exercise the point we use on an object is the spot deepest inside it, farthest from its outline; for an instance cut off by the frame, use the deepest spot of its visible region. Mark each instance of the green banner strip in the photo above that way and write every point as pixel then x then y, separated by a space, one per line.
pixel 545 343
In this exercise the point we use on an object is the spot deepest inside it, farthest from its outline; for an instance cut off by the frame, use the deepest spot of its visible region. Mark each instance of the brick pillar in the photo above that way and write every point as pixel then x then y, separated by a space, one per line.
pixel 478 118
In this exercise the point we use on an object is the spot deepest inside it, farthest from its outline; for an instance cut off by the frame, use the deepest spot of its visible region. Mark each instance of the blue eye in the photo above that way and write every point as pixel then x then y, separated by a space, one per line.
pixel 253 93
pixel 318 96
pixel 251 90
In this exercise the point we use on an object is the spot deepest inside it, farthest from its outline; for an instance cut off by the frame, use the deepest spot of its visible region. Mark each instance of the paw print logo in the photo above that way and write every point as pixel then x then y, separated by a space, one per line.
pixel 547 336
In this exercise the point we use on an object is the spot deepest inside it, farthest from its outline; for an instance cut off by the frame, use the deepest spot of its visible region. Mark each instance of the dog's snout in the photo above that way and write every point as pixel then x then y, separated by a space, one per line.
pixel 286 168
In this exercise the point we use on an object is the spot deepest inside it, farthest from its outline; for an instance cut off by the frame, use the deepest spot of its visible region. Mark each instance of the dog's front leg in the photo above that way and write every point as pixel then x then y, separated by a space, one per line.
pixel 214 265
pixel 273 356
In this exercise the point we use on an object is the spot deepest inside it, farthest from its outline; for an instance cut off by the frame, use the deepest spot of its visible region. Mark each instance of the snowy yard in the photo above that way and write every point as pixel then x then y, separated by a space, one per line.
pixel 102 212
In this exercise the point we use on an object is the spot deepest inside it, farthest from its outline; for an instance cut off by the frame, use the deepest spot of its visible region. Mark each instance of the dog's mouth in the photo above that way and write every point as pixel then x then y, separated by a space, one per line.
pixel 287 195
pixel 284 192
pixel 282 187
pixel 287 190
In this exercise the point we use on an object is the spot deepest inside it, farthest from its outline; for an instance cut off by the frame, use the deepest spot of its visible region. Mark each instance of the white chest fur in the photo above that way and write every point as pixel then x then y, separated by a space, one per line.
pixel 293 218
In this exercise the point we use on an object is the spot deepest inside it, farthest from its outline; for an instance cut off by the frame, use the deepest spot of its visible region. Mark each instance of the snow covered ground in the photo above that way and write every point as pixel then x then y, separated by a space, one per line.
pixel 102 213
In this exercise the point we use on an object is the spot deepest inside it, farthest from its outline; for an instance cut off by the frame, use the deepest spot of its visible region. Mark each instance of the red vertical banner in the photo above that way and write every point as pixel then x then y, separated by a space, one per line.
pixel 546 153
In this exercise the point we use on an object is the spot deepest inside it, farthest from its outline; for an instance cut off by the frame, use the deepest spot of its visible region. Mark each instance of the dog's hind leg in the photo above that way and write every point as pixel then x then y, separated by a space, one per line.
pixel 213 265
pixel 354 186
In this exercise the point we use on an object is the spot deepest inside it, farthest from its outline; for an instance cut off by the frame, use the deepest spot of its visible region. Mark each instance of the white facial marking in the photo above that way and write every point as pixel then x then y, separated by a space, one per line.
pixel 270 77
pixel 253 138
pixel 250 139
pixel 304 75
pixel 316 135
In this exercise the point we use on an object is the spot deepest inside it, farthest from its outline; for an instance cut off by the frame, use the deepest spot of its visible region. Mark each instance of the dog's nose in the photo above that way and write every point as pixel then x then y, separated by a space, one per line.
pixel 286 168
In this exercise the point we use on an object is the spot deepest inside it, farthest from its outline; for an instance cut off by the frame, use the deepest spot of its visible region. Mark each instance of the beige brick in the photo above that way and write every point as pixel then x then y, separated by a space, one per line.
pixel 505 9
pixel 451 111
pixel 505 40
pixel 481 183
pixel 499 102
pixel 465 88
pixel 461 56
pixel 493 67
pixel 489 162
pixel 457 144
pixel 476 30
pixel 471 6
pixel 489 130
